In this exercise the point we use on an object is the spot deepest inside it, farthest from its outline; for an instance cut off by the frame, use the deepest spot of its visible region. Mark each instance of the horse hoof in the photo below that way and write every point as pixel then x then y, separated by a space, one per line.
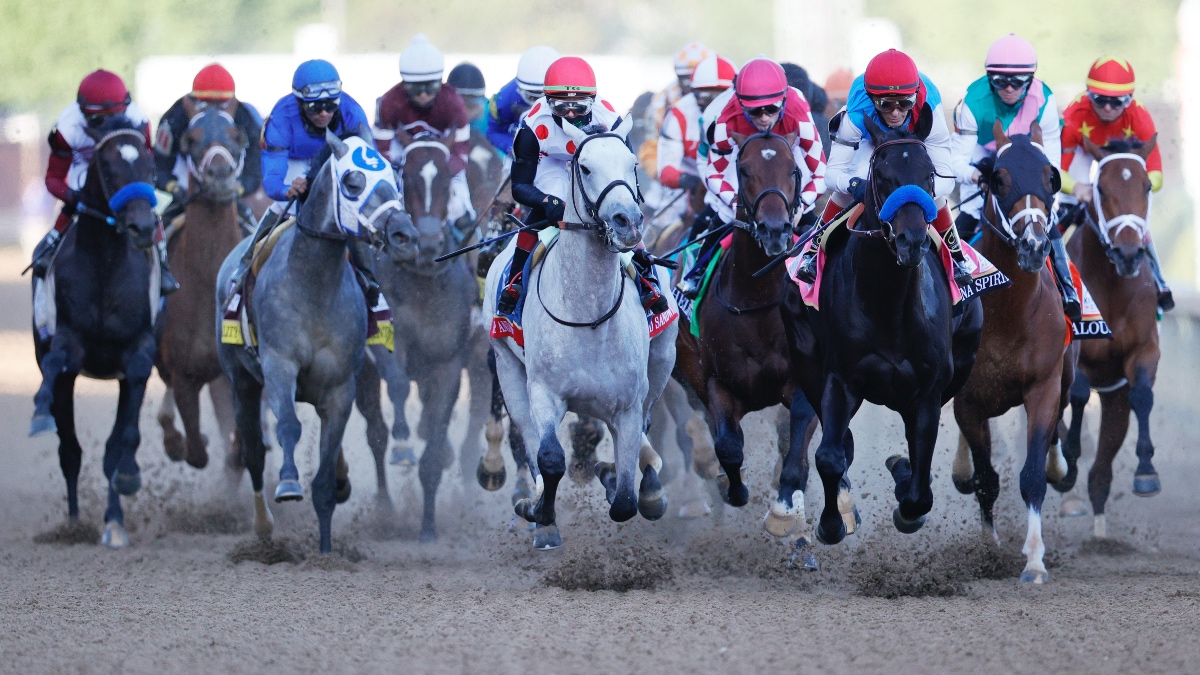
pixel 623 508
pixel 606 473
pixel 174 445
pixel 698 508
pixel 403 456
pixel 488 480
pixel 906 526
pixel 707 470
pixel 891 462
pixel 264 522
pixel 518 524
pixel 428 535
pixel 829 539
pixel 42 425
pixel 526 508
pixel 126 484
pixel 1072 507
pixel 782 520
pixel 289 491
pixel 964 485
pixel 1146 485
pixel 803 558
pixel 114 535
pixel 343 490
pixel 546 538
pixel 653 507
pixel 848 510
pixel 198 459
pixel 1038 577
pixel 521 490
pixel 733 496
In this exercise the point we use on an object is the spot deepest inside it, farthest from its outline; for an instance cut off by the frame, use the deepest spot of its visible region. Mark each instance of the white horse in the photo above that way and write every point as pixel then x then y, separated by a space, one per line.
pixel 587 345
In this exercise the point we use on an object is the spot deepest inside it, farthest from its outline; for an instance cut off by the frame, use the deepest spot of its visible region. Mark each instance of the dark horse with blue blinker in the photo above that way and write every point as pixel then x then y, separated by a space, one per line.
pixel 887 331
pixel 104 320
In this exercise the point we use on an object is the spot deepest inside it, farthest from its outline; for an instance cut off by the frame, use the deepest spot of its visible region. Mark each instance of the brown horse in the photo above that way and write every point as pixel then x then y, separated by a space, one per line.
pixel 1023 358
pixel 1110 253
pixel 741 361
pixel 214 149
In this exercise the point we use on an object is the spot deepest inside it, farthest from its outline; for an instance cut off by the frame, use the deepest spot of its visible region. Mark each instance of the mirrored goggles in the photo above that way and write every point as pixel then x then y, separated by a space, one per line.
pixel 324 105
pixel 418 88
pixel 319 90
pixel 887 105
pixel 1114 102
pixel 1015 81
pixel 564 106
pixel 764 110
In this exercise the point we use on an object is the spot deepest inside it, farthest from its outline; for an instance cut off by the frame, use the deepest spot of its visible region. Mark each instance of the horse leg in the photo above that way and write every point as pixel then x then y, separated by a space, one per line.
pixel 279 377
pixel 172 439
pixel 1141 399
pixel 726 413
pixel 491 473
pixel 187 397
pixel 70 454
pixel 439 391
pixel 510 370
pixel 546 411
pixel 837 407
pixel 914 490
pixel 120 462
pixel 1041 409
pixel 394 370
pixel 369 401
pixel 687 420
pixel 1114 424
pixel 975 450
pixel 65 357
pixel 479 379
pixel 247 411
pixel 334 412
pixel 657 433
pixel 1080 392
pixel 220 392
pixel 786 516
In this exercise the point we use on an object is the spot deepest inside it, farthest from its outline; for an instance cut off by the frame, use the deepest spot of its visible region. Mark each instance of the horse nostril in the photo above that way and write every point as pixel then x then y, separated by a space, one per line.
pixel 621 220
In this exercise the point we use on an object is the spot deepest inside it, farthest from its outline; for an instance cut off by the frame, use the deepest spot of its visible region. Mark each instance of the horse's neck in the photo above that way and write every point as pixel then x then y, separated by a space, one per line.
pixel 318 262
pixel 210 220
pixel 97 238
pixel 745 257
pixel 874 266
pixel 584 270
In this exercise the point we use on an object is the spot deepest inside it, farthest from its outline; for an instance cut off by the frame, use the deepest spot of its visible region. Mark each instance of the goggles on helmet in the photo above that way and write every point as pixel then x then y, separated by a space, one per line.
pixel 530 96
pixel 319 90
pixel 1017 81
pixel 891 104
pixel 563 106
pixel 418 88
pixel 323 105
pixel 1114 102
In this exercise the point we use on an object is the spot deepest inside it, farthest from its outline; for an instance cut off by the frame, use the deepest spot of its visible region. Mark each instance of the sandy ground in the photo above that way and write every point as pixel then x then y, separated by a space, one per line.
pixel 716 594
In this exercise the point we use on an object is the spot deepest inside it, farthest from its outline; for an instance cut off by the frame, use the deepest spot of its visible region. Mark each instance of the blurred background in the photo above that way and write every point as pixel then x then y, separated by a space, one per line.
pixel 158 47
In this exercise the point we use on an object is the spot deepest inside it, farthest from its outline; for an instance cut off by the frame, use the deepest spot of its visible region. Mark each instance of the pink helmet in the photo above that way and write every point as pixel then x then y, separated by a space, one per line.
pixel 761 82
pixel 1011 54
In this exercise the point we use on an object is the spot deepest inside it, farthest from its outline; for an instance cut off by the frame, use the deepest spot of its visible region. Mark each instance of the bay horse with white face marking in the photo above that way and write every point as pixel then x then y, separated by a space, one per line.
pixel 1111 255
pixel 1024 357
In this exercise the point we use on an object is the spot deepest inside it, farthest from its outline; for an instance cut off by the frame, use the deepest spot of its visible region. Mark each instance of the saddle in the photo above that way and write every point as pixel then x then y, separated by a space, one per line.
pixel 690 309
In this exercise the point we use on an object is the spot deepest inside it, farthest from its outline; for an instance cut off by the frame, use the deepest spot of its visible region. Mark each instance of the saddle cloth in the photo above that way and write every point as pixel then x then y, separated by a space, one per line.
pixel 690 309
pixel 509 325
pixel 1093 326
pixel 45 311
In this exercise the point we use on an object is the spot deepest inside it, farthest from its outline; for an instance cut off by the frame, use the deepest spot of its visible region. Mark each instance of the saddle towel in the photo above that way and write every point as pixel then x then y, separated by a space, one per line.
pixel 45 312
pixel 1093 326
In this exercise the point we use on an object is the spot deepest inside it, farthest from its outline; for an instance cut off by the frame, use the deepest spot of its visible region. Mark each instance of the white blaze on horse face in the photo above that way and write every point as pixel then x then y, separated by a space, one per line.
pixel 768 154
pixel 129 153
pixel 429 172
pixel 1126 174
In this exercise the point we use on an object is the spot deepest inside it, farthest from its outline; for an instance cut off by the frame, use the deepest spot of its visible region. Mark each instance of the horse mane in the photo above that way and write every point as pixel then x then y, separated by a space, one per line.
pixel 1123 145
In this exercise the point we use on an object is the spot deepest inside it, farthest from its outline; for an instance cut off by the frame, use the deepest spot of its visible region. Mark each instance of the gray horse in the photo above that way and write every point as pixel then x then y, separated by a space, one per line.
pixel 587 346
pixel 311 322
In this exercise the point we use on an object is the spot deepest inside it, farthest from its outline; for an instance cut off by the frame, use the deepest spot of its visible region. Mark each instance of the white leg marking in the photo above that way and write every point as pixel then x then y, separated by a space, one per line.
pixel 963 467
pixel 1034 550
pixel 782 521
pixel 1100 530
pixel 1056 463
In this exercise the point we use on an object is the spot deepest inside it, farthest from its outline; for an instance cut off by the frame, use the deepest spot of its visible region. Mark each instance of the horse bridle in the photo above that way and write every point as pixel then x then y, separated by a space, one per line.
pixel 592 207
pixel 1101 225
pixel 109 195
pixel 214 151
pixel 1033 214
pixel 885 232
pixel 792 204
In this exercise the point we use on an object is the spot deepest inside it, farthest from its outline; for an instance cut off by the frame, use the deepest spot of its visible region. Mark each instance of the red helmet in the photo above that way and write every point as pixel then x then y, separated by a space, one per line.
pixel 891 73
pixel 569 77
pixel 102 93
pixel 1110 76
pixel 213 83
pixel 761 82
pixel 713 72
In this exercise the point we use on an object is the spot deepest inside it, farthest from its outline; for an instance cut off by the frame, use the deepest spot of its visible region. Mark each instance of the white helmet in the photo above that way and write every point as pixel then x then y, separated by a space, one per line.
pixel 421 61
pixel 689 56
pixel 531 71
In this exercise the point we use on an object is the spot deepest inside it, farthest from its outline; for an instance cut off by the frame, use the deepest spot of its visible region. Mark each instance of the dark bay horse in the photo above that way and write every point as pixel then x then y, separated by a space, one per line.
pixel 740 363
pixel 1110 253
pixel 1024 357
pixel 214 148
pixel 886 331
pixel 104 327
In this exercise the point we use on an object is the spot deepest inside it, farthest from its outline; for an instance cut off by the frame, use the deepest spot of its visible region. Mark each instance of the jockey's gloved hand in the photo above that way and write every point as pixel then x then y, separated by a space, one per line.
pixel 985 165
pixel 807 220
pixel 858 188
pixel 689 181
pixel 554 208
pixel 71 200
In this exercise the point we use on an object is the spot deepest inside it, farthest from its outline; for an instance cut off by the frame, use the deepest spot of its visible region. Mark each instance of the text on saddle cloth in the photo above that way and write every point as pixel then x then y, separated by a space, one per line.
pixel 1093 326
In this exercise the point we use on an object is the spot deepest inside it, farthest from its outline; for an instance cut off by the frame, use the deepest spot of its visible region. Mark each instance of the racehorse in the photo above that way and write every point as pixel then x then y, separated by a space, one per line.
pixel 1110 253
pixel 740 362
pixel 214 149
pixel 582 310
pixel 1025 357
pixel 886 330
pixel 311 322
pixel 102 283
pixel 435 337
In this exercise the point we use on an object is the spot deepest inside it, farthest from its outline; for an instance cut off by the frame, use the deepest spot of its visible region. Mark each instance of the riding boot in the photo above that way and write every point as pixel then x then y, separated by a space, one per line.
pixel 268 222
pixel 652 297
pixel 690 284
pixel 44 252
pixel 1166 301
pixel 962 272
pixel 806 271
pixel 166 281
pixel 511 293
pixel 1062 274
pixel 364 263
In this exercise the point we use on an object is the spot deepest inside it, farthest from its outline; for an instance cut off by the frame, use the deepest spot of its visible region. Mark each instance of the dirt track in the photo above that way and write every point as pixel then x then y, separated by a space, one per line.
pixel 672 596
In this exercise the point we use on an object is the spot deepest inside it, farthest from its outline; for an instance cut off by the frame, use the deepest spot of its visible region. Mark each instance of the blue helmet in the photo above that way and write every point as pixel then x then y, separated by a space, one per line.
pixel 316 80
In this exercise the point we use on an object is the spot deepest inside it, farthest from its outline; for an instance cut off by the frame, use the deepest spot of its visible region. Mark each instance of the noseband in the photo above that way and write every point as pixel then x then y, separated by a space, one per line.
pixel 751 206
pixel 1104 227
pixel 592 207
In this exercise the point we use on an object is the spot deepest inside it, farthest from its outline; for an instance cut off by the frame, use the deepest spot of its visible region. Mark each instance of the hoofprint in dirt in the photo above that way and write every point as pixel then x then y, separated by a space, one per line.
pixel 701 595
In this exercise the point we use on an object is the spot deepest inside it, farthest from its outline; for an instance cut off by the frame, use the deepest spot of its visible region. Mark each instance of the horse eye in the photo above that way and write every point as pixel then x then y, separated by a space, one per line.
pixel 586 171
pixel 353 183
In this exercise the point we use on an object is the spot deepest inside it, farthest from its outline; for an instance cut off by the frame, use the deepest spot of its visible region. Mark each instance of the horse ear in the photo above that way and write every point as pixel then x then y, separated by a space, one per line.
pixel 740 139
pixel 185 143
pixel 998 132
pixel 1092 149
pixel 1147 147
pixel 624 127
pixel 338 145
pixel 924 122
pixel 1052 179
pixel 873 130
pixel 189 106
pixel 1035 133
pixel 402 137
pixel 575 133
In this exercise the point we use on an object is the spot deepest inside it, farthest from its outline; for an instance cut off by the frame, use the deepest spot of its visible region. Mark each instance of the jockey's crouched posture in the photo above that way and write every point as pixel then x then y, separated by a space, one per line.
pixel 542 153
pixel 101 95
pixel 293 136
pixel 892 93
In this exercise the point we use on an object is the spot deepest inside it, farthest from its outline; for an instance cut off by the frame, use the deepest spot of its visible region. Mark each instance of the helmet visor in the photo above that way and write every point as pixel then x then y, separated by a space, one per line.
pixel 319 90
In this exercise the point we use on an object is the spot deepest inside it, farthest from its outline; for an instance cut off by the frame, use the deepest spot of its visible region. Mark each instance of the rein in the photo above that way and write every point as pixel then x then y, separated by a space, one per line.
pixel 581 324
pixel 1103 226
pixel 738 311
pixel 592 207
pixel 885 232
pixel 751 206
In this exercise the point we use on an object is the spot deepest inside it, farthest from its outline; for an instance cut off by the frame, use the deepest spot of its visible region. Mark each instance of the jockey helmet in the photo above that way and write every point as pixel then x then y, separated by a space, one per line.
pixel 713 72
pixel 891 73
pixel 838 84
pixel 102 93
pixel 1011 54
pixel 761 82
pixel 213 83
pixel 571 89
pixel 1110 76
pixel 421 61
pixel 689 56
pixel 467 79
pixel 531 71
pixel 316 80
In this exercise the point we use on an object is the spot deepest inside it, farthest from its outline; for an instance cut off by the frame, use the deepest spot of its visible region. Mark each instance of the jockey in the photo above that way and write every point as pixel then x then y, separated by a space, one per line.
pixel 293 136
pixel 762 101
pixel 101 95
pixel 421 104
pixel 541 158
pixel 212 86
pixel 818 101
pixel 1010 93
pixel 468 81
pixel 1108 111
pixel 510 103
pixel 686 60
pixel 892 93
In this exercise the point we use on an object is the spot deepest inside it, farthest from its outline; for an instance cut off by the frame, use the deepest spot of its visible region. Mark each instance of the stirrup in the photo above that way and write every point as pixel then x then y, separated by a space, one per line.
pixel 962 275
pixel 509 296
pixel 1166 301
pixel 167 283
pixel 689 286
pixel 806 271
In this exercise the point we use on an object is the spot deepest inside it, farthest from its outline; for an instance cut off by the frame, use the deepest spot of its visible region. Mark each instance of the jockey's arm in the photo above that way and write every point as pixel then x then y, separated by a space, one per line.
pixel 59 166
pixel 498 133
pixel 721 176
pixel 1051 126
pixel 938 146
pixel 275 143
pixel 841 167
pixel 524 169
pixel 670 152
pixel 963 144
pixel 460 149
pixel 166 145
